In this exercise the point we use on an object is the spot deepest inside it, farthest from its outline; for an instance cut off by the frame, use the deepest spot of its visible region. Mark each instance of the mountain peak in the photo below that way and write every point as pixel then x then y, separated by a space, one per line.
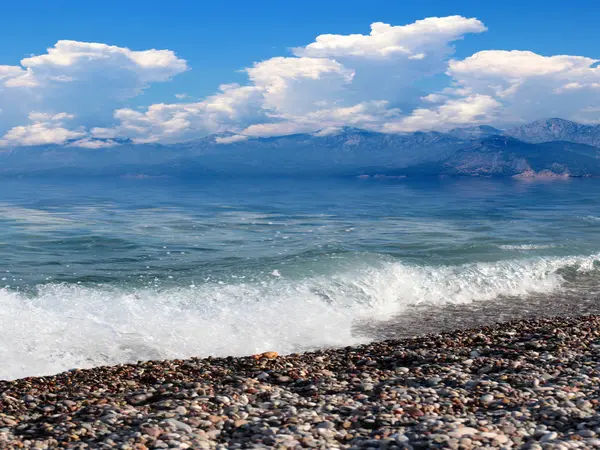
pixel 474 132
pixel 554 121
pixel 335 131
pixel 556 129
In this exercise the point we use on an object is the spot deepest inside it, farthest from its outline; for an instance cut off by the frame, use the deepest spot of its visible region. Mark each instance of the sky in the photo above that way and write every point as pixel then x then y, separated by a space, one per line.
pixel 91 73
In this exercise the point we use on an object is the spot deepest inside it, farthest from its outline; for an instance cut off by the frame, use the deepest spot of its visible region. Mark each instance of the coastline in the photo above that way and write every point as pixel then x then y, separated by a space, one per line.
pixel 529 383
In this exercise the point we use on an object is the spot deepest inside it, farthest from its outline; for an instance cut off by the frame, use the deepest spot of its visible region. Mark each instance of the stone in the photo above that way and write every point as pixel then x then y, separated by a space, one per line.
pixel 463 431
pixel 549 436
pixel 486 399
pixel 179 425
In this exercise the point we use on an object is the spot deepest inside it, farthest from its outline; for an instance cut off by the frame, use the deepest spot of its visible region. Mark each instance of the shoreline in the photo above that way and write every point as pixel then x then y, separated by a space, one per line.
pixel 528 383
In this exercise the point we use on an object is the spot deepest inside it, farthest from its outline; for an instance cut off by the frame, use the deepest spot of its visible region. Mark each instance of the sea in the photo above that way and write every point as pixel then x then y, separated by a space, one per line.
pixel 108 270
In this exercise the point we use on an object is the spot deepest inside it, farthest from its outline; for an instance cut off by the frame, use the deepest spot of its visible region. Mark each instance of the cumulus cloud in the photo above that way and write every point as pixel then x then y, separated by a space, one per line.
pixel 363 80
pixel 280 89
pixel 95 144
pixel 299 85
pixel 232 107
pixel 529 86
pixel 91 79
pixel 230 139
pixel 43 128
pixel 358 80
pixel 71 61
pixel 416 41
pixel 507 87
pixel 471 110
pixel 390 59
pixel 368 115
pixel 14 76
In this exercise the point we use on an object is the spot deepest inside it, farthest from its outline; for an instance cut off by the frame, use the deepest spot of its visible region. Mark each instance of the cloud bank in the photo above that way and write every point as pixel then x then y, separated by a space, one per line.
pixel 74 93
pixel 83 81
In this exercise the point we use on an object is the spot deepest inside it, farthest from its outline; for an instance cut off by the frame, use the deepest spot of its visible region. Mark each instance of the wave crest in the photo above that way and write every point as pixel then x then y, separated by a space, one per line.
pixel 63 326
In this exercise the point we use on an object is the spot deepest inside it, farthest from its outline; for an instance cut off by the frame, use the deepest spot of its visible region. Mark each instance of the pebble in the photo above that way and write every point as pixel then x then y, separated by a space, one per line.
pixel 487 398
pixel 179 425
pixel 463 431
pixel 527 384
pixel 549 436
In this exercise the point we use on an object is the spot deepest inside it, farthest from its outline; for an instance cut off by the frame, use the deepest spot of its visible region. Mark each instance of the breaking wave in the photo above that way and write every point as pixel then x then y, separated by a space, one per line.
pixel 62 326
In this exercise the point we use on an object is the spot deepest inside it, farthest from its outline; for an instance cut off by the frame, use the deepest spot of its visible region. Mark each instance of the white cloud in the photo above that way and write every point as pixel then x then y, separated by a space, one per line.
pixel 89 78
pixel 414 41
pixel 297 85
pixel 14 76
pixel 94 144
pixel 338 80
pixel 367 115
pixel 43 128
pixel 471 110
pixel 230 139
pixel 391 59
pixel 518 65
pixel 47 117
pixel 9 72
pixel 363 80
pixel 328 131
pixel 69 61
pixel 434 98
pixel 520 86
pixel 226 111
pixel 278 129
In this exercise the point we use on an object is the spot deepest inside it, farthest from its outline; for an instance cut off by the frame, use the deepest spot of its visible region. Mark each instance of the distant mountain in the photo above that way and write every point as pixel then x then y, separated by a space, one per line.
pixel 344 152
pixel 477 132
pixel 555 145
pixel 349 149
pixel 556 130
pixel 506 156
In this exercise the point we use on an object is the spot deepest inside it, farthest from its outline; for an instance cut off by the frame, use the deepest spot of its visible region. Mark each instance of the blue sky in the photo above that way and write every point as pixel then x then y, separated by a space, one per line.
pixel 218 40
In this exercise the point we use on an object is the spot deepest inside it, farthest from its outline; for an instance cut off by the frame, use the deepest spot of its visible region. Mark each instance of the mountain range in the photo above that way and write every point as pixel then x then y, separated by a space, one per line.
pixel 550 147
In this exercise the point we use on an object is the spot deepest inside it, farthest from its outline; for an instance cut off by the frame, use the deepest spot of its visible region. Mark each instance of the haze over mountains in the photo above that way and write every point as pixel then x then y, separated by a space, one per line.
pixel 550 147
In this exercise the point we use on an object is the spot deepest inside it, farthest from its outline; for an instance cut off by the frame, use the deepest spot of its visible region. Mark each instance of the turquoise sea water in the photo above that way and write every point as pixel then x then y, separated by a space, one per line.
pixel 110 270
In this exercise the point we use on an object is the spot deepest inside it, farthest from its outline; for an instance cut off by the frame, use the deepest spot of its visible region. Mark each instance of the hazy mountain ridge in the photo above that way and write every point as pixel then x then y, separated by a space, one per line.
pixel 345 152
pixel 556 130
pixel 556 145
pixel 477 132
pixel 506 156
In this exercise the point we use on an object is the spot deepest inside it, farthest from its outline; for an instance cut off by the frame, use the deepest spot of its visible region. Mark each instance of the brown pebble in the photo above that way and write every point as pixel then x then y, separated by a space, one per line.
pixel 266 355
pixel 240 423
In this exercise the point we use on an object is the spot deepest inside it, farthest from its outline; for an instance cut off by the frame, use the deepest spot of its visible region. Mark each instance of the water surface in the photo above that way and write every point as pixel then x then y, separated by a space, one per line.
pixel 110 270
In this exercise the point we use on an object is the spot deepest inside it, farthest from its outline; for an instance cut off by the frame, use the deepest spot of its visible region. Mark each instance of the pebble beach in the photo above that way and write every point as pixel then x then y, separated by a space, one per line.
pixel 522 384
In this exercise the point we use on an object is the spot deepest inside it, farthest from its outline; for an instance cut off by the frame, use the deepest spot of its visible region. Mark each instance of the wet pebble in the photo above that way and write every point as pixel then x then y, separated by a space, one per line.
pixel 527 384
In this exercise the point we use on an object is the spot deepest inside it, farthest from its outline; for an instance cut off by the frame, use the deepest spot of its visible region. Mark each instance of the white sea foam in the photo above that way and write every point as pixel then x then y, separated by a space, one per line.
pixel 67 326
pixel 527 247
pixel 33 217
pixel 592 218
